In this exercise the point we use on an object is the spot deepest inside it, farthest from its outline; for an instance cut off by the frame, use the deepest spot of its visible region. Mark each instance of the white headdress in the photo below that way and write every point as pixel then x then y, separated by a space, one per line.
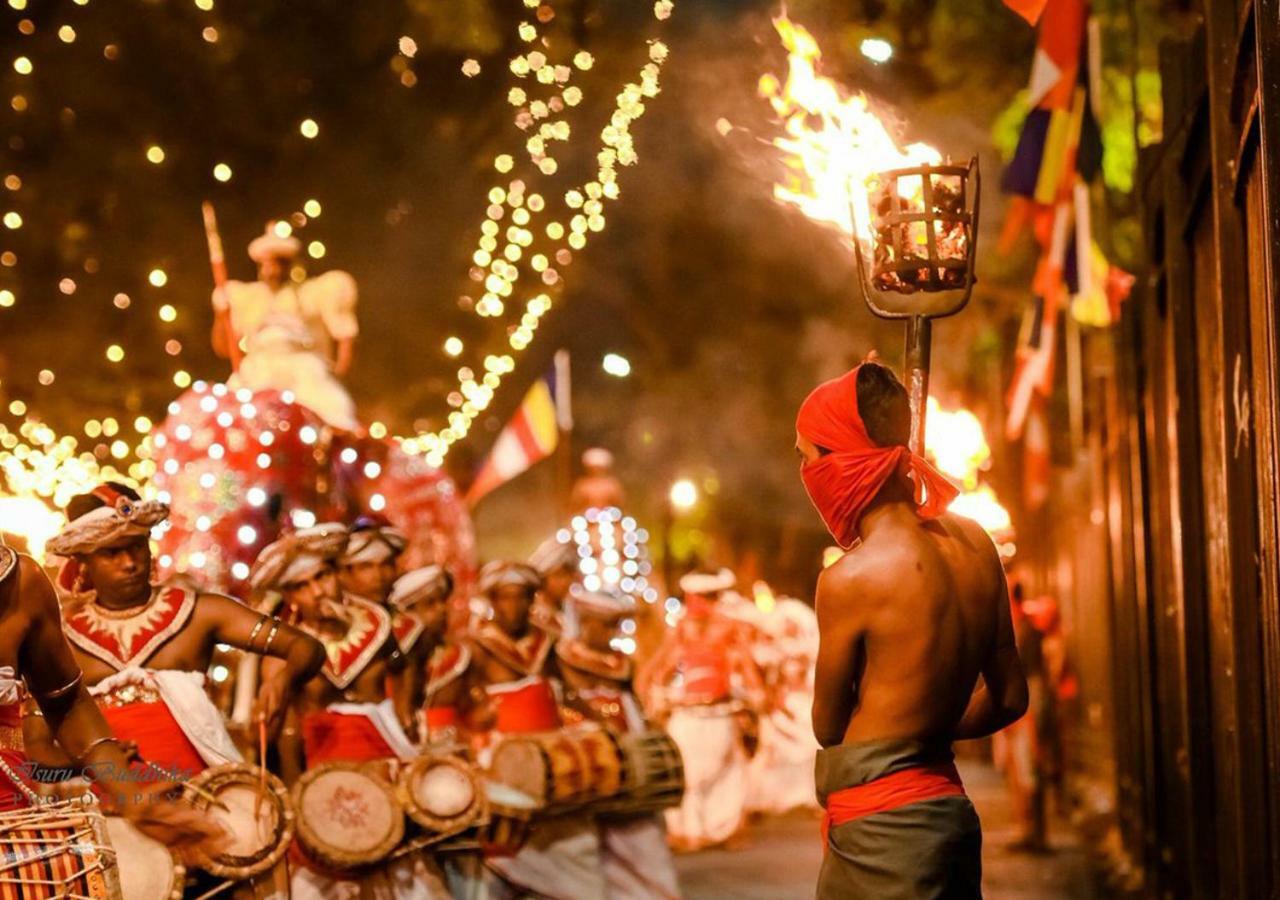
pixel 100 527
pixel 707 583
pixel 603 604
pixel 297 556
pixel 375 544
pixel 270 244
pixel 597 458
pixel 500 573
pixel 419 584
pixel 554 554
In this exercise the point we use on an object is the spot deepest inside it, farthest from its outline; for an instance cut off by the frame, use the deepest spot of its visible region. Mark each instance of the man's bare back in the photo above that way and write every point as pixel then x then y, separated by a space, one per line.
pixel 910 620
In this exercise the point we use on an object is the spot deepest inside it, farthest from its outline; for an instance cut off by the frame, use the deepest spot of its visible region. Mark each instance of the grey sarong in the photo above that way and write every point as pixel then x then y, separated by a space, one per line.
pixel 929 849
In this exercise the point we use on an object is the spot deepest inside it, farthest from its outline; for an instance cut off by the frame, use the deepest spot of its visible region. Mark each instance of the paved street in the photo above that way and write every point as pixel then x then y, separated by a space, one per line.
pixel 781 858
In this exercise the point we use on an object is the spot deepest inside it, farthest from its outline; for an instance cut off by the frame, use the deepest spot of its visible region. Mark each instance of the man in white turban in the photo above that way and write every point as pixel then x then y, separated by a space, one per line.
pixel 297 336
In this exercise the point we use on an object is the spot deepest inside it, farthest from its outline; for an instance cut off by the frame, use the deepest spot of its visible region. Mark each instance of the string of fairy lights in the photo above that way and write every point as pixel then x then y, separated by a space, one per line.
pixel 542 90
pixel 528 237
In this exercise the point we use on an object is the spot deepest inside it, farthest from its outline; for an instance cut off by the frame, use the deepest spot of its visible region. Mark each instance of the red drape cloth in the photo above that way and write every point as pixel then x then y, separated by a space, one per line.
pixel 334 737
pixel 11 796
pixel 442 717
pixel 160 739
pixel 705 668
pixel 843 482
pixel 528 708
pixel 901 788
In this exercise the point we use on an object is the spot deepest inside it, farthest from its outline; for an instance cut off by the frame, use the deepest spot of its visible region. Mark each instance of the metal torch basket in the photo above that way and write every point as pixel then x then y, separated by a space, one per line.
pixel 922 279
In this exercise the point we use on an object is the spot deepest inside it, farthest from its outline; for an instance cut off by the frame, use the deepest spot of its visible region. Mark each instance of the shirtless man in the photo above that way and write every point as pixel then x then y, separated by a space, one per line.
pixel 499 681
pixel 419 602
pixel 33 651
pixel 557 563
pixel 633 848
pixel 367 569
pixel 916 650
pixel 144 648
pixel 343 714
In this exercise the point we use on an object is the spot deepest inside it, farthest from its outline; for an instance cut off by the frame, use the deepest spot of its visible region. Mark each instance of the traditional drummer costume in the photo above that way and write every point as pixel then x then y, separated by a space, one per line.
pixel 14 793
pixel 554 555
pixel 704 723
pixel 165 712
pixel 633 848
pixel 562 857
pixel 343 731
pixel 407 627
pixel 346 731
pixel 781 771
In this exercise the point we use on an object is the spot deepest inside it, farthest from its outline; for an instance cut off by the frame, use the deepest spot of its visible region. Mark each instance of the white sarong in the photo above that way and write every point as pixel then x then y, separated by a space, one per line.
pixel 715 774
pixel 781 772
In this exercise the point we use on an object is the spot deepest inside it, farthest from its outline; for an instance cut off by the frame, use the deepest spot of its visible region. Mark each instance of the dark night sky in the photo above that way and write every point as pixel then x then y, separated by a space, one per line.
pixel 729 306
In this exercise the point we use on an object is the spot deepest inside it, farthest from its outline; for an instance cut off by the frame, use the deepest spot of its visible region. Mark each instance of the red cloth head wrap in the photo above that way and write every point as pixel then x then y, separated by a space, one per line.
pixel 844 481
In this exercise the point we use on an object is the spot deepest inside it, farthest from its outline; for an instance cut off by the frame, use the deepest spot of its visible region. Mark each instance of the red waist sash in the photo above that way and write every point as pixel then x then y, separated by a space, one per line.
pixel 529 707
pixel 901 788
pixel 336 737
pixel 442 717
pixel 161 741
pixel 11 794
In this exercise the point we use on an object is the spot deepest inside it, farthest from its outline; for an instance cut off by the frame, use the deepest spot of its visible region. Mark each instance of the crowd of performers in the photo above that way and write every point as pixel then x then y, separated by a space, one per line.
pixel 515 744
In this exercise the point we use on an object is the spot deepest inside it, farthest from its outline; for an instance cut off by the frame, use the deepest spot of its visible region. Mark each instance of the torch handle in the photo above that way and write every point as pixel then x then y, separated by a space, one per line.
pixel 919 342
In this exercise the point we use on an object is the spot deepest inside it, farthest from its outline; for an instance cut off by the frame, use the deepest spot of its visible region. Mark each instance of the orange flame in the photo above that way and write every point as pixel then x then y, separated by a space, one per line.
pixel 957 443
pixel 834 144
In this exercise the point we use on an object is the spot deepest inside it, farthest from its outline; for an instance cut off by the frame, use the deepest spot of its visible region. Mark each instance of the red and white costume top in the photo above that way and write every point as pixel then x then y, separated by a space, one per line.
pixel 166 712
pixel 354 732
pixel 522 705
pixel 610 700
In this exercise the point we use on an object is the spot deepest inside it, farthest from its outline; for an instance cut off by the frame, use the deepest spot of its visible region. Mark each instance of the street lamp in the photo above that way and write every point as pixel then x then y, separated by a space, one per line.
pixel 682 497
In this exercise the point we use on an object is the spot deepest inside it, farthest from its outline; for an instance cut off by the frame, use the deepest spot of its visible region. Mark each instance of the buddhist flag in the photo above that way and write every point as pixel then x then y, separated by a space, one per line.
pixel 533 432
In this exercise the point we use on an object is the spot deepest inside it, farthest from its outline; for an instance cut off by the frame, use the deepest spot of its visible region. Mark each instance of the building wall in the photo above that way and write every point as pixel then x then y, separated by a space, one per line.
pixel 1176 486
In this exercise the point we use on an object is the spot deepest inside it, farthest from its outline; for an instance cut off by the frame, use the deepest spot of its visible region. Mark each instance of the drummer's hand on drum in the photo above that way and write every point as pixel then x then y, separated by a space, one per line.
pixel 177 825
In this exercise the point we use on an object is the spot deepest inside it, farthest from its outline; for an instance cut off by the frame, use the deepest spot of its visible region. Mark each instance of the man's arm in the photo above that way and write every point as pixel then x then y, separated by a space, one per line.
pixel 72 716
pixel 249 630
pixel 345 355
pixel 1000 698
pixel 840 633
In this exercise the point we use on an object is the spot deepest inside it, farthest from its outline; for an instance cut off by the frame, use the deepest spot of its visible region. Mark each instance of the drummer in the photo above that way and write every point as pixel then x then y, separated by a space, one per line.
pixel 367 566
pixel 637 861
pixel 499 681
pixel 557 562
pixel 30 630
pixel 343 714
pixel 145 647
pixel 420 597
pixel 699 680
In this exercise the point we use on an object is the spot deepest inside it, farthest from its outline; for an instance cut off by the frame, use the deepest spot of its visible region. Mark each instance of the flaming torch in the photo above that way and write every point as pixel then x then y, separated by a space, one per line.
pixel 915 216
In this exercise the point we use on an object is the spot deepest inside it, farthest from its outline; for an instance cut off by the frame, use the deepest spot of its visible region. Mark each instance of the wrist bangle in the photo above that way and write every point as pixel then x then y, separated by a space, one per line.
pixel 253 635
pixel 271 635
pixel 57 693
pixel 94 745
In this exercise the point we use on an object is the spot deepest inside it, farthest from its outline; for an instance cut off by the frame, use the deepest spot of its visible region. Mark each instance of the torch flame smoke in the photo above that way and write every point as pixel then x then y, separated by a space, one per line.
pixel 834 144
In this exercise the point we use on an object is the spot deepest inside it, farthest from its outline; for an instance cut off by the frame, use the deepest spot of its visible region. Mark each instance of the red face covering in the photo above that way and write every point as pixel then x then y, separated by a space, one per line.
pixel 843 482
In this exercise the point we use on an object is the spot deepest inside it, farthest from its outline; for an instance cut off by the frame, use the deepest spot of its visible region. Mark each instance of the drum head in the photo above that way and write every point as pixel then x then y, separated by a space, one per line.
pixel 440 793
pixel 347 816
pixel 522 764
pixel 254 809
pixel 146 868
